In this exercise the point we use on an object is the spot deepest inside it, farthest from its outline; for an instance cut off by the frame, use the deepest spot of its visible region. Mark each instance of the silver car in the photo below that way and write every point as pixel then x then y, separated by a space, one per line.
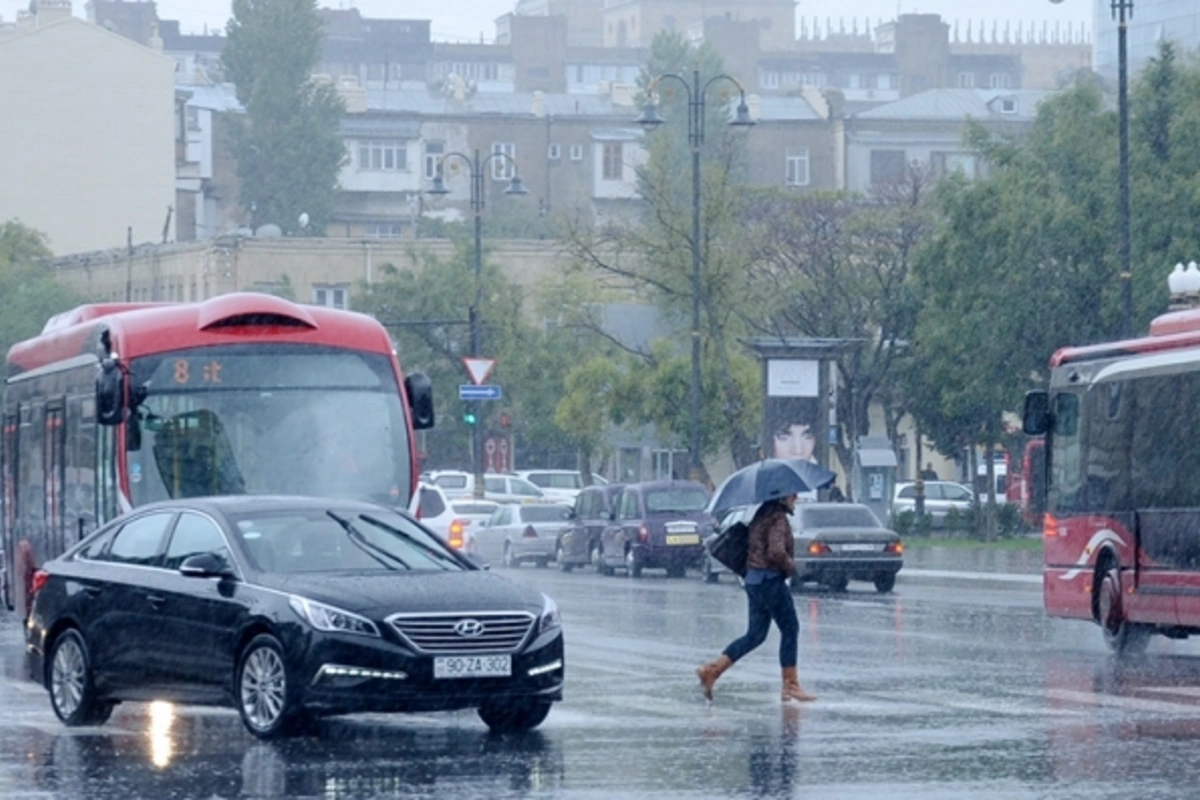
pixel 940 497
pixel 519 533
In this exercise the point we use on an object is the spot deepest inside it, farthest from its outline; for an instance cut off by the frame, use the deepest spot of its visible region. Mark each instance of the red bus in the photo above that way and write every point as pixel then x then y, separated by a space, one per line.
pixel 117 405
pixel 1122 517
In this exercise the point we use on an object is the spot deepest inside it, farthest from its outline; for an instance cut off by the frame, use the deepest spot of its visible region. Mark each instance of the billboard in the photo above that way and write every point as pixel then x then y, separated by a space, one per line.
pixel 792 426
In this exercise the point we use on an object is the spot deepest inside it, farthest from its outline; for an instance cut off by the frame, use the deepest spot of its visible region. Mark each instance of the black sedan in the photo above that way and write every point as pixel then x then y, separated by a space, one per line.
pixel 288 609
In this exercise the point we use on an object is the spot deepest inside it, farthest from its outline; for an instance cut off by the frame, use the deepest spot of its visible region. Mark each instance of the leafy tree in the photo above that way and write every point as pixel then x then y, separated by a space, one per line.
pixel 649 250
pixel 287 146
pixel 31 295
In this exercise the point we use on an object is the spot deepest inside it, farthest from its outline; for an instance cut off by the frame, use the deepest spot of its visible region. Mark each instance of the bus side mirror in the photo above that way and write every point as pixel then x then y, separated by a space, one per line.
pixel 110 393
pixel 1036 419
pixel 420 399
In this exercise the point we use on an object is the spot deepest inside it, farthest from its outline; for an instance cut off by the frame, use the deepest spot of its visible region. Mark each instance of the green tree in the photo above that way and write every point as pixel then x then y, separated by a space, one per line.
pixel 31 295
pixel 287 146
pixel 649 250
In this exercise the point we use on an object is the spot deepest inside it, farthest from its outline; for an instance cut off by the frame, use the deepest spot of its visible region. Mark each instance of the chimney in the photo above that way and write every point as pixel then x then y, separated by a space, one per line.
pixel 539 103
pixel 155 43
pixel 48 11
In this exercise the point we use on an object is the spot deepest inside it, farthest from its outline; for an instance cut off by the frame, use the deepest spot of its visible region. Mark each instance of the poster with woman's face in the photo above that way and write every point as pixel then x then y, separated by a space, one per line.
pixel 791 416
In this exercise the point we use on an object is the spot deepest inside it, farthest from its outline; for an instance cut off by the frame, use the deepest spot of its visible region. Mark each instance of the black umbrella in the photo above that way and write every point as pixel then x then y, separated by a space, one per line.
pixel 770 479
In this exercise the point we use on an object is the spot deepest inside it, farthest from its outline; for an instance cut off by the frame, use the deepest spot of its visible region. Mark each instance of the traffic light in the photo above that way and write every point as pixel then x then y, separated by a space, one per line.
pixel 469 417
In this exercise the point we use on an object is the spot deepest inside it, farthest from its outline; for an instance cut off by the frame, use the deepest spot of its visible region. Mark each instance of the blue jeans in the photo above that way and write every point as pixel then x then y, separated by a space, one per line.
pixel 769 600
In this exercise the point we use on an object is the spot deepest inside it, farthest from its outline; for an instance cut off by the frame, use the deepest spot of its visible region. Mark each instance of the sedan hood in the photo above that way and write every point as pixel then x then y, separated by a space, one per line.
pixel 379 594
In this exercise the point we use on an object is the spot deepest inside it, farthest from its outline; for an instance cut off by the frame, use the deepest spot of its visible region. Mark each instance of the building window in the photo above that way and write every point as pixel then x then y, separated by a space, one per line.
pixel 384 230
pixel 1008 105
pixel 433 154
pixel 613 168
pixel 502 163
pixel 577 152
pixel 1000 80
pixel 796 166
pixel 329 296
pixel 887 166
pixel 944 163
pixel 387 155
pixel 193 118
pixel 770 80
pixel 553 152
pixel 966 80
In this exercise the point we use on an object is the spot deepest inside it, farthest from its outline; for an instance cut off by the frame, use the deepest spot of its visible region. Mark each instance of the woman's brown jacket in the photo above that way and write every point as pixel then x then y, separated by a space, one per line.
pixel 771 545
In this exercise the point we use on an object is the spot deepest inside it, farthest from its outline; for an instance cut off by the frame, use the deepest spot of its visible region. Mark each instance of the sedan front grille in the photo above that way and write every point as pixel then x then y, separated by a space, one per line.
pixel 464 634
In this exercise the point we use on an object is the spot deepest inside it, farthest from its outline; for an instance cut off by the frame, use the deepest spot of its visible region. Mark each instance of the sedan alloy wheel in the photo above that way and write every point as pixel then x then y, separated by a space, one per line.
pixel 262 689
pixel 72 693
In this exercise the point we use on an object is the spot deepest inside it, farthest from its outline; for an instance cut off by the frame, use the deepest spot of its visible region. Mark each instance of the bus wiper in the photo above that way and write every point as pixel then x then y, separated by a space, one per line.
pixel 374 551
pixel 408 537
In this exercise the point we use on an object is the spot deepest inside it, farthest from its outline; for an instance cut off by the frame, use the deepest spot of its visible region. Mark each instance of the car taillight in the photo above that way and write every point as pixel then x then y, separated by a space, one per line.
pixel 529 533
pixel 644 533
pixel 39 580
pixel 456 534
pixel 896 548
pixel 818 548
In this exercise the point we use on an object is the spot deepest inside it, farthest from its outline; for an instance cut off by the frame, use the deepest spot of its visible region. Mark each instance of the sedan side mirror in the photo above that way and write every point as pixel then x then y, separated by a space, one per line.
pixel 205 565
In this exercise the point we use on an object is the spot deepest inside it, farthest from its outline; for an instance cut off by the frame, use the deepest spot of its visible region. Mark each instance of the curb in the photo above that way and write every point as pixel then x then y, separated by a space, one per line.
pixel 917 574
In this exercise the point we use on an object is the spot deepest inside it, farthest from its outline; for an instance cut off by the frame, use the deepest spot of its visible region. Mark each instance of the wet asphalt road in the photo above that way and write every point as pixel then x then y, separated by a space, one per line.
pixel 954 686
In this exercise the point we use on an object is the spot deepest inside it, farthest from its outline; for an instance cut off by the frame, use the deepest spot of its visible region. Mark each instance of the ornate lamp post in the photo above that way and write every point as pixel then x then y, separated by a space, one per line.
pixel 651 119
pixel 476 166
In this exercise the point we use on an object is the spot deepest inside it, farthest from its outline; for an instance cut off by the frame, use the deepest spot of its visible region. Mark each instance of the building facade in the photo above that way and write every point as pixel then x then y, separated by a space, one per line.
pixel 90 154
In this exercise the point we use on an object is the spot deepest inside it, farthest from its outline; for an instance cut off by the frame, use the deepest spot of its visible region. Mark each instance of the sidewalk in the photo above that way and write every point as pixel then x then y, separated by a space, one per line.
pixel 973 566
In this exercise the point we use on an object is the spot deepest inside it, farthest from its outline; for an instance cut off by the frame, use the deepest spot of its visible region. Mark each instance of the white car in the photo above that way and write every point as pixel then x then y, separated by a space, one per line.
pixel 518 533
pixel 499 487
pixel 452 518
pixel 556 484
pixel 940 497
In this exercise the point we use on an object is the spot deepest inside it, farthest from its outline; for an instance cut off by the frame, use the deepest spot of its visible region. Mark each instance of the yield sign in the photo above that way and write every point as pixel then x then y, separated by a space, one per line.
pixel 479 368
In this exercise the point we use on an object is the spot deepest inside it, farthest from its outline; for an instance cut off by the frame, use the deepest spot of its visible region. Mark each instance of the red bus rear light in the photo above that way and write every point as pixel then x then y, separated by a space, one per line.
pixel 818 549
pixel 1049 526
pixel 456 534
pixel 644 533
pixel 40 578
pixel 896 548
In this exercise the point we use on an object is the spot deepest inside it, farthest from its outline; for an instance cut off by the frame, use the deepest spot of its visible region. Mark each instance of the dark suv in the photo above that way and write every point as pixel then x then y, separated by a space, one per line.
pixel 660 524
pixel 579 544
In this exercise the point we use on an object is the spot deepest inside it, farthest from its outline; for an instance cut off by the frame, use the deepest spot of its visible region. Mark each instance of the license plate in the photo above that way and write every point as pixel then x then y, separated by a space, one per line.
pixel 472 666
pixel 859 548
pixel 684 538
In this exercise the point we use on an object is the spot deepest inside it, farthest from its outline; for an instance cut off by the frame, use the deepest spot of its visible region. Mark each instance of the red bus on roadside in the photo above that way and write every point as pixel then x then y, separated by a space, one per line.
pixel 120 404
pixel 1121 456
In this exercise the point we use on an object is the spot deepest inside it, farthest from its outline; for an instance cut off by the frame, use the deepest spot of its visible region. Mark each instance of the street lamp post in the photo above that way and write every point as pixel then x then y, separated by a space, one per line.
pixel 475 323
pixel 1122 11
pixel 651 119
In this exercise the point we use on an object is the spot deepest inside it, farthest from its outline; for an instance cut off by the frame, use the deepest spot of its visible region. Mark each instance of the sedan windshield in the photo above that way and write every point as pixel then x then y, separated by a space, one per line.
pixel 313 541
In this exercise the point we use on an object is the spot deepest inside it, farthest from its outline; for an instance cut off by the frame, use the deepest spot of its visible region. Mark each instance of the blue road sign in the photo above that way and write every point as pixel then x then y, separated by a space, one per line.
pixel 468 391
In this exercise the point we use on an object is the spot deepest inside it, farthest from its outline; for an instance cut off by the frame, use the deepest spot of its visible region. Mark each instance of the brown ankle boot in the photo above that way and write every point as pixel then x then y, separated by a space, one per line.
pixel 791 687
pixel 708 674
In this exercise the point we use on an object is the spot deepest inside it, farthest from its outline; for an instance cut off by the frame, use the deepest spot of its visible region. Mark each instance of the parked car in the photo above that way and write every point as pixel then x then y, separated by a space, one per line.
pixel 940 497
pixel 840 542
pixel 579 542
pixel 450 518
pixel 287 609
pixel 657 524
pixel 496 486
pixel 520 532
pixel 556 484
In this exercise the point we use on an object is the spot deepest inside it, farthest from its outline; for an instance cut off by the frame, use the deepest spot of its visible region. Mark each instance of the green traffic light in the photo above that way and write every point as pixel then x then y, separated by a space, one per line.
pixel 469 418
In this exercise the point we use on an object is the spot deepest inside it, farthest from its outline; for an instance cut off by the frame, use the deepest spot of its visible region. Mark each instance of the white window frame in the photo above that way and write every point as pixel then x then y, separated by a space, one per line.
pixel 502 168
pixel 577 152
pixel 1000 80
pixel 331 295
pixel 966 80
pixel 554 151
pixel 433 154
pixel 613 157
pixel 382 155
pixel 796 167
pixel 383 230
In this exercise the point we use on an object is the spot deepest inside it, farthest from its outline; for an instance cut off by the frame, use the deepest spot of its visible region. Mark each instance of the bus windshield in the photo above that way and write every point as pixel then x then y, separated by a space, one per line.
pixel 267 419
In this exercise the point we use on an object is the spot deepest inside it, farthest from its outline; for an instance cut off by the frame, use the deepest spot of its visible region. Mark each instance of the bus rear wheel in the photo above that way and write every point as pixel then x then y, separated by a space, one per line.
pixel 1122 636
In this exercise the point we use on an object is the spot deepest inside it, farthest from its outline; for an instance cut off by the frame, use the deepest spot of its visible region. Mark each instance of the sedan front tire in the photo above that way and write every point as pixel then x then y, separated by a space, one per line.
pixel 262 690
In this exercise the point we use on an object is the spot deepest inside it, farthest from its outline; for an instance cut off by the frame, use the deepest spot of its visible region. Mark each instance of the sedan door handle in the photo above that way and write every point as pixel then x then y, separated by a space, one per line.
pixel 156 600
pixel 93 591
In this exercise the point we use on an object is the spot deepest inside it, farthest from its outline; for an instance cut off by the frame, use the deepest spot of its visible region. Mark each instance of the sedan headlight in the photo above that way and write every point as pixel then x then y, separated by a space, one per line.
pixel 329 618
pixel 549 618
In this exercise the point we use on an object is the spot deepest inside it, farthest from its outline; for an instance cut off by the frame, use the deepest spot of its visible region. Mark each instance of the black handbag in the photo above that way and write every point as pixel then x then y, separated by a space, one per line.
pixel 730 546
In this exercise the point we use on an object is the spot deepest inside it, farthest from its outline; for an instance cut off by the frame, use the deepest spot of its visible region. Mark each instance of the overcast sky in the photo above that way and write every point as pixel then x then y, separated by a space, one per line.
pixel 459 19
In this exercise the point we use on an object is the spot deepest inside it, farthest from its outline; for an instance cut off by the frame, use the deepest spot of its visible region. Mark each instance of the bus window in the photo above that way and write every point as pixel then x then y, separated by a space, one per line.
pixel 1067 463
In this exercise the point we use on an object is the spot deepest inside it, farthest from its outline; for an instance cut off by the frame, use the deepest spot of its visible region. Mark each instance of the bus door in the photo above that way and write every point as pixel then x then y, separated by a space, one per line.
pixel 53 477
pixel 9 455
